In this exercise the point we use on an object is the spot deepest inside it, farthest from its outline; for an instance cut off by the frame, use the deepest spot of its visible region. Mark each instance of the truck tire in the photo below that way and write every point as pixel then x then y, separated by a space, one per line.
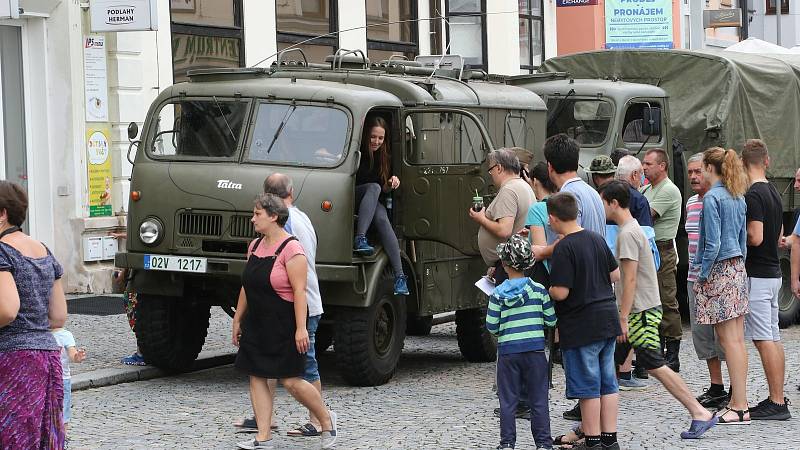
pixel 171 331
pixel 323 338
pixel 474 340
pixel 788 304
pixel 368 341
pixel 419 325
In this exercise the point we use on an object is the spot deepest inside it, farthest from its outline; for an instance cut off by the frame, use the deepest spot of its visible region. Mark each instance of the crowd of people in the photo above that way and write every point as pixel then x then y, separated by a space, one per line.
pixel 601 263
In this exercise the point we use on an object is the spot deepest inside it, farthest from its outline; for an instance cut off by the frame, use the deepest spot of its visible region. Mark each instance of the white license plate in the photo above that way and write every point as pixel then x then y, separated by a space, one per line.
pixel 175 263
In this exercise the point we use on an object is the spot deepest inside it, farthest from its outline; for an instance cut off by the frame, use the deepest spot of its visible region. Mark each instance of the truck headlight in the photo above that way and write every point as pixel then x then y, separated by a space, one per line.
pixel 150 231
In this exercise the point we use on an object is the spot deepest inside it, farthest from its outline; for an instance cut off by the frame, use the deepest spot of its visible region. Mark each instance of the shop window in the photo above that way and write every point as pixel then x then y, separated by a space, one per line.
pixel 466 33
pixel 391 29
pixel 301 20
pixel 531 35
pixel 771 6
pixel 205 34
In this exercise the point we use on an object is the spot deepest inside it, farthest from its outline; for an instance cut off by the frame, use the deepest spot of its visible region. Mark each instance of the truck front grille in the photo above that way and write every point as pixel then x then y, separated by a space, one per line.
pixel 199 224
pixel 241 227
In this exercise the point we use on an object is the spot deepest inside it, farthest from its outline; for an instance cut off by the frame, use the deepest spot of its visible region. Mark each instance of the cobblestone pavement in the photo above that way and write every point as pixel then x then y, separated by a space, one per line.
pixel 436 400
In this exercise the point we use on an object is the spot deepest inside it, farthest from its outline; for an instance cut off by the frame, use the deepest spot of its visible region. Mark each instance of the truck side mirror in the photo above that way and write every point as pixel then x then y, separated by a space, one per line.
pixel 133 131
pixel 651 121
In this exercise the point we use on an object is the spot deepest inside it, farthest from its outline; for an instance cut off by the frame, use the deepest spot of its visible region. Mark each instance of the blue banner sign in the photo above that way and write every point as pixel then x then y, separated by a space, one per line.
pixel 639 24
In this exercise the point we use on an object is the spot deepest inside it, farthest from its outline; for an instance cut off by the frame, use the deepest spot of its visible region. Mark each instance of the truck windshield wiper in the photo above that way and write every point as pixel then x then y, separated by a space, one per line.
pixel 561 105
pixel 278 131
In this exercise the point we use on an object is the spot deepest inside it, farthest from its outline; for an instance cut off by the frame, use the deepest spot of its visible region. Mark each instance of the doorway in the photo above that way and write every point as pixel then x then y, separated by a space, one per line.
pixel 13 145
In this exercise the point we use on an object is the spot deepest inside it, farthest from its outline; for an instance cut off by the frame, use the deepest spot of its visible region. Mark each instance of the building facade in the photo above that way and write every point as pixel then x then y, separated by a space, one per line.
pixel 68 93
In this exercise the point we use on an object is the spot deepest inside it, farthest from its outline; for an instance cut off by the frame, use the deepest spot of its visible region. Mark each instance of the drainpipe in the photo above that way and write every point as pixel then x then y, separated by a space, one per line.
pixel 744 30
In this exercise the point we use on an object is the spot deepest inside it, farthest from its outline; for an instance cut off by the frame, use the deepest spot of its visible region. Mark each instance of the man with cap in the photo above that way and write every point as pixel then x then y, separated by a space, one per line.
pixel 603 170
pixel 518 311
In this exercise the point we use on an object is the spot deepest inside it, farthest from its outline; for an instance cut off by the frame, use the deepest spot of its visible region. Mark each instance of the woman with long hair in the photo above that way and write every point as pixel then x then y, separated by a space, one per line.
pixel 31 302
pixel 721 287
pixel 269 326
pixel 373 178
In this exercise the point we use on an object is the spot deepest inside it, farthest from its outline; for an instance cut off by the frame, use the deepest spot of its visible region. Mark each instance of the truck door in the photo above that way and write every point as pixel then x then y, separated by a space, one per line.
pixel 442 167
pixel 630 133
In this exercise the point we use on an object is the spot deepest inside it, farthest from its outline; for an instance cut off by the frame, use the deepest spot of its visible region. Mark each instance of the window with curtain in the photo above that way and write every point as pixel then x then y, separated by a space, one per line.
pixel 531 35
pixel 391 29
pixel 466 31
pixel 300 20
pixel 205 34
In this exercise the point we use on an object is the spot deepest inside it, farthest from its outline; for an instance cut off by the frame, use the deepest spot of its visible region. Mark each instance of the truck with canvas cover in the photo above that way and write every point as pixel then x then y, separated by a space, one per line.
pixel 703 98
pixel 208 144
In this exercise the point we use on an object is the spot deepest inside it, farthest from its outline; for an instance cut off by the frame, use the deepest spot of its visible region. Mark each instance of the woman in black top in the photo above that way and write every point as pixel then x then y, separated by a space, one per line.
pixel 374 177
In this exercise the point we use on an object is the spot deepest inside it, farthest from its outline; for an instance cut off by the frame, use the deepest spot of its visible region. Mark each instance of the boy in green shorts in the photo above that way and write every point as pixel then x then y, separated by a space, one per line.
pixel 640 306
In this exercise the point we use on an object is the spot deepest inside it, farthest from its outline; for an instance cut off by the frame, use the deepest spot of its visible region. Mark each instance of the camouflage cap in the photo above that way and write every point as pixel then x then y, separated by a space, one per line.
pixel 516 253
pixel 602 164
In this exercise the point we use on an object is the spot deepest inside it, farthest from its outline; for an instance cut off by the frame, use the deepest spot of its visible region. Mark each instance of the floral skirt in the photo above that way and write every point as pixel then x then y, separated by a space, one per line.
pixel 723 296
pixel 31 398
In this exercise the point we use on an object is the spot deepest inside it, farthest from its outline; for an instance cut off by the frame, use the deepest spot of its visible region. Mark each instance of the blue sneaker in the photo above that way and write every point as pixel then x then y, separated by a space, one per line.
pixel 362 247
pixel 135 359
pixel 400 285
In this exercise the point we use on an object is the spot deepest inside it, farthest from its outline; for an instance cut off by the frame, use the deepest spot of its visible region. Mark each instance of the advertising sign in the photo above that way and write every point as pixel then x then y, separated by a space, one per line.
pixel 720 18
pixel 95 78
pixel 98 162
pixel 575 2
pixel 123 15
pixel 639 24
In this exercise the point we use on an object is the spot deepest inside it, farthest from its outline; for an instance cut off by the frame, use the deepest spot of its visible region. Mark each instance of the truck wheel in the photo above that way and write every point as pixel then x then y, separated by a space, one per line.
pixel 323 338
pixel 171 331
pixel 474 341
pixel 368 341
pixel 419 325
pixel 788 304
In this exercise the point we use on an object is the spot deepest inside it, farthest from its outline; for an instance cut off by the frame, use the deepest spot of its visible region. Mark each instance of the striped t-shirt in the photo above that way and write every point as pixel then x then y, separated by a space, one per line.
pixel 517 313
pixel 694 210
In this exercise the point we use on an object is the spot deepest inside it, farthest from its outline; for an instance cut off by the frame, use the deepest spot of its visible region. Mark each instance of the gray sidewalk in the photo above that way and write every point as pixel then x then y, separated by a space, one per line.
pixel 108 338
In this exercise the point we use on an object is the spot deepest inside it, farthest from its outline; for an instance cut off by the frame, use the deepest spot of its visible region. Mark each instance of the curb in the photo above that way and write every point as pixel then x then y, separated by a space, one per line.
pixel 128 374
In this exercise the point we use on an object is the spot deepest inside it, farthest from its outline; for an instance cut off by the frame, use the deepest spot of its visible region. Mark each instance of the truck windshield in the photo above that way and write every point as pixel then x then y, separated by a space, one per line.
pixel 586 121
pixel 299 134
pixel 207 128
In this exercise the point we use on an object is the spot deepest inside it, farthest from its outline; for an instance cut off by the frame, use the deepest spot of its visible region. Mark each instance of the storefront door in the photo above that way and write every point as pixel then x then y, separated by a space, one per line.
pixel 13 158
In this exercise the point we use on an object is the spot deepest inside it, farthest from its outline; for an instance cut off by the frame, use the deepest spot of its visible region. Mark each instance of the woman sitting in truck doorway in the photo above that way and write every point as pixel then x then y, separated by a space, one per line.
pixel 373 178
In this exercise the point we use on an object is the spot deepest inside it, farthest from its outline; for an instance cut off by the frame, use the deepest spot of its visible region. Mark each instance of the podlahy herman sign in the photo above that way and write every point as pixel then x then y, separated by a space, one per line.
pixel 123 15
pixel 639 24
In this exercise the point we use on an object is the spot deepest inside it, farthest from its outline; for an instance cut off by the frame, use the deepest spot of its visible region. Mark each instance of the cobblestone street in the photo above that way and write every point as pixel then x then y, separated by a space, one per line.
pixel 436 400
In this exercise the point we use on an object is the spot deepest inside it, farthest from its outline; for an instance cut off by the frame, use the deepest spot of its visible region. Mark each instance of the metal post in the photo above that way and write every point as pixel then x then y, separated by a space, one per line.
pixel 744 30
pixel 778 4
pixel 696 31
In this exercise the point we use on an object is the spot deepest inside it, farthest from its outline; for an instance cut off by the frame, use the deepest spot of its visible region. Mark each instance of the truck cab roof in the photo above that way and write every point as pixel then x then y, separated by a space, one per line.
pixel 560 86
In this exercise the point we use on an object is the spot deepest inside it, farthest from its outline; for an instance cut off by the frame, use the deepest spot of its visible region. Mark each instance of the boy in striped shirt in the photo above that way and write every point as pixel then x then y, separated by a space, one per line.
pixel 518 311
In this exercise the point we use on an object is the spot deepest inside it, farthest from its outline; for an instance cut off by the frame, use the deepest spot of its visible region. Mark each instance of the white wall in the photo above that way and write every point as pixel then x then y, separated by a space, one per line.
pixel 502 36
pixel 260 32
pixel 353 14
pixel 550 29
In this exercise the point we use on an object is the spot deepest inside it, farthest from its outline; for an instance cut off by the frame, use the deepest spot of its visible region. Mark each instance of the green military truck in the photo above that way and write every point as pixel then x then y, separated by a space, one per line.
pixel 696 100
pixel 208 144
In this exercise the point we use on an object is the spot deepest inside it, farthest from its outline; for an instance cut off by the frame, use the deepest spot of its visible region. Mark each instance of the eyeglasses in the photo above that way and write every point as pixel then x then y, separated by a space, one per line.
pixel 492 168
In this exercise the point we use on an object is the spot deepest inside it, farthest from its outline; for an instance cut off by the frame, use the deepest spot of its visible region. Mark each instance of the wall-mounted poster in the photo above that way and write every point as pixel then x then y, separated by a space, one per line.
pixel 639 24
pixel 98 163
pixel 182 5
pixel 95 78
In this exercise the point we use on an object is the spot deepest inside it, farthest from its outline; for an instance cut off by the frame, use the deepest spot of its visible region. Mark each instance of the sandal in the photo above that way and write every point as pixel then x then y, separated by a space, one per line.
pixel 698 427
pixel 250 424
pixel 306 430
pixel 739 412
pixel 561 440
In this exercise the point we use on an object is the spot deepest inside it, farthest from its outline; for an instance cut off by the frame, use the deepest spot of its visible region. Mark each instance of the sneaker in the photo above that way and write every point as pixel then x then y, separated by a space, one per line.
pixel 329 437
pixel 614 446
pixel 400 285
pixel 769 410
pixel 640 373
pixel 634 384
pixel 504 446
pixel 135 359
pixel 574 413
pixel 713 400
pixel 255 445
pixel 520 413
pixel 362 247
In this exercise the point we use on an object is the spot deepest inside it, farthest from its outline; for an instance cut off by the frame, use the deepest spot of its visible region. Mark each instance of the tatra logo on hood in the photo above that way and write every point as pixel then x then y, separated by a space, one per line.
pixel 228 184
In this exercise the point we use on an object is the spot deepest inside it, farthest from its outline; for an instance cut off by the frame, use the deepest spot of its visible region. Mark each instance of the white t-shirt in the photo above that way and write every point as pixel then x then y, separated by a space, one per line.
pixel 300 226
pixel 65 340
